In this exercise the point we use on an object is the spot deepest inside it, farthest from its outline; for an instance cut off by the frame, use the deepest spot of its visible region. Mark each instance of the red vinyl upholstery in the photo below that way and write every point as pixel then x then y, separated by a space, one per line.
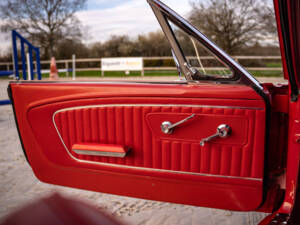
pixel 225 173
pixel 138 127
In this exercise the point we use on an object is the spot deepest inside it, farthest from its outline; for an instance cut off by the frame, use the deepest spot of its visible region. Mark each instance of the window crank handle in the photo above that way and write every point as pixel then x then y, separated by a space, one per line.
pixel 167 127
pixel 223 131
pixel 181 121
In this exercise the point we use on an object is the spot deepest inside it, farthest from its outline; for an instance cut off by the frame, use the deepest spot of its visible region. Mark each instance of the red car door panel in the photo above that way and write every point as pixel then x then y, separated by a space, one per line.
pixel 224 173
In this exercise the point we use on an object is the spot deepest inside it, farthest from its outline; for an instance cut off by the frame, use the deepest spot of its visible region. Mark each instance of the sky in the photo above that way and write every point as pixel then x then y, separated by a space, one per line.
pixel 118 17
pixel 104 18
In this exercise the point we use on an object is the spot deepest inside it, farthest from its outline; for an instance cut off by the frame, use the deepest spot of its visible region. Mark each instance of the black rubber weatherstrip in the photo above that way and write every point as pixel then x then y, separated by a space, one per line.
pixel 267 137
pixel 9 91
pixel 284 22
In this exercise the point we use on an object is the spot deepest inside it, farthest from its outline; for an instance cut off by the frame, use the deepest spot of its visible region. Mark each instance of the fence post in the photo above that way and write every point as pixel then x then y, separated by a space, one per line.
pixel 143 71
pixel 73 66
pixel 67 68
pixel 102 71
pixel 31 62
pixel 28 66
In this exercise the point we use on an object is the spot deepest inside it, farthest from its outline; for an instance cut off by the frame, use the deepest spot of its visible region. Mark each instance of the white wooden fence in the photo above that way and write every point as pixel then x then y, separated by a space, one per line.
pixel 66 64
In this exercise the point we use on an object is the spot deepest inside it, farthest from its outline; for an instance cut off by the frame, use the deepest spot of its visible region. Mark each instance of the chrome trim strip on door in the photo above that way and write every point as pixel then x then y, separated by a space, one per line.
pixel 144 168
pixel 117 81
pixel 99 153
pixel 157 105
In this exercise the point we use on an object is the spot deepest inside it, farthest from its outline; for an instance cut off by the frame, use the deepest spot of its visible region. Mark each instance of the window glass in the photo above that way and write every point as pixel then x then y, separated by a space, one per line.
pixel 199 57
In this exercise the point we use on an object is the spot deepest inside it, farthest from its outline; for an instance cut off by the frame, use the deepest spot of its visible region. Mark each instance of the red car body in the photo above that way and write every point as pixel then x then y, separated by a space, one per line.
pixel 254 168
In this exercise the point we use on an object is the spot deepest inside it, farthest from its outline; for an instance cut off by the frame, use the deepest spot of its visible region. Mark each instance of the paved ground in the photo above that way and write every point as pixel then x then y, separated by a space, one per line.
pixel 18 185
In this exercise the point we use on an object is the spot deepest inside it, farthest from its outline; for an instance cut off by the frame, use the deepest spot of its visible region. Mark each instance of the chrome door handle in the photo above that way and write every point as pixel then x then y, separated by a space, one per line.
pixel 223 131
pixel 167 127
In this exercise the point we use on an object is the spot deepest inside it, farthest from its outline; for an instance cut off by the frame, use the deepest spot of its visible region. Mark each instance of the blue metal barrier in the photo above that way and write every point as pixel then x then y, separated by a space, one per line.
pixel 25 45
pixel 6 73
pixel 31 49
pixel 5 102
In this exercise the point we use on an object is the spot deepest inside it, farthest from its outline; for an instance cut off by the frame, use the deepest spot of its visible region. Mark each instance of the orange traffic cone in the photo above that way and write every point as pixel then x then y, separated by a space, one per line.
pixel 53 70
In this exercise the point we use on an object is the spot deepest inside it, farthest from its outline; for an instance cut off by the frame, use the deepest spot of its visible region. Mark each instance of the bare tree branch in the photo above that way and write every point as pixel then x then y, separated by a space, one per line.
pixel 233 24
pixel 46 22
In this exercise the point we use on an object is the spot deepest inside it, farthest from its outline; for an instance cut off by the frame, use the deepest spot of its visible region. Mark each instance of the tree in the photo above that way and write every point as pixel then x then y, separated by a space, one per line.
pixel 67 47
pixel 153 44
pixel 118 46
pixel 232 24
pixel 267 21
pixel 45 22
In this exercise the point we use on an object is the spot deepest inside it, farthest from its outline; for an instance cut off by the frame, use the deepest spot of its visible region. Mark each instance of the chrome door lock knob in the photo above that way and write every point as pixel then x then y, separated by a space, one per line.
pixel 223 131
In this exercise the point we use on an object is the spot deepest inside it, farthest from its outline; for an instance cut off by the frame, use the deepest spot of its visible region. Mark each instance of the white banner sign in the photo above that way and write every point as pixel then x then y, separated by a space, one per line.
pixel 121 64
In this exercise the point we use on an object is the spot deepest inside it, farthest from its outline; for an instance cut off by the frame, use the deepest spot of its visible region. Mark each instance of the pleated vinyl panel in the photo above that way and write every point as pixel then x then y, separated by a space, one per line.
pixel 126 125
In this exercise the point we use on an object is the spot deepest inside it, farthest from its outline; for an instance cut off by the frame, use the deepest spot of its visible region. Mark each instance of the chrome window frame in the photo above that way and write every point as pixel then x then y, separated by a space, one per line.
pixel 163 13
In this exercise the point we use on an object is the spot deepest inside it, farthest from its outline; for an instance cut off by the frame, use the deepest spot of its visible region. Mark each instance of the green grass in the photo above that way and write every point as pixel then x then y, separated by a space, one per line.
pixel 274 64
pixel 266 73
pixel 120 74
pixel 161 73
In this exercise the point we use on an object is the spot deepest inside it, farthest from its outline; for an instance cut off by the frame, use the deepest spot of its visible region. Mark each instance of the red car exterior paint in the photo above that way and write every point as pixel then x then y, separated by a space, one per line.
pixel 289 37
